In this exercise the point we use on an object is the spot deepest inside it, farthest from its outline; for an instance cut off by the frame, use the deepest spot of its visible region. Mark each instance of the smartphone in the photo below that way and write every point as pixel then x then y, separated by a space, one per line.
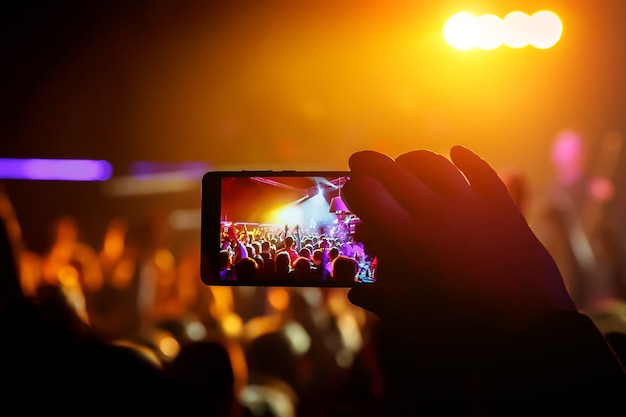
pixel 280 228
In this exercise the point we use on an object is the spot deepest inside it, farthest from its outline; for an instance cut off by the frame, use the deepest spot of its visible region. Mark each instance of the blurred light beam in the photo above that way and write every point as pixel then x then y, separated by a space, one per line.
pixel 55 169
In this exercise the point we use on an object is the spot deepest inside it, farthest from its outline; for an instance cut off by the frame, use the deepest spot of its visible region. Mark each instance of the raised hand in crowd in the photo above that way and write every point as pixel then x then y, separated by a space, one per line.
pixel 460 268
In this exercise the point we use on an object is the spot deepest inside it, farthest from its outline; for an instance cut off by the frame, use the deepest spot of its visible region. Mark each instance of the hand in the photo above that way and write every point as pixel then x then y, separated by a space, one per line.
pixel 457 259
pixel 232 233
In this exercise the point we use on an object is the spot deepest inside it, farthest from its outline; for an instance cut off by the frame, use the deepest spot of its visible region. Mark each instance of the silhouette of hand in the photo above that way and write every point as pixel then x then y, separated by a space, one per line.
pixel 232 233
pixel 457 259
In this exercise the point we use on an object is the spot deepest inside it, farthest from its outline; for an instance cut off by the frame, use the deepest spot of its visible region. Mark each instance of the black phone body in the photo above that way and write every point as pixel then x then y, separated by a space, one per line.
pixel 243 209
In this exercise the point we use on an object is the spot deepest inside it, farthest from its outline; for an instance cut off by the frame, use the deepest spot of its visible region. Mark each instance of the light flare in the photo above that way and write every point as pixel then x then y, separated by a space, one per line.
pixel 55 169
pixel 517 29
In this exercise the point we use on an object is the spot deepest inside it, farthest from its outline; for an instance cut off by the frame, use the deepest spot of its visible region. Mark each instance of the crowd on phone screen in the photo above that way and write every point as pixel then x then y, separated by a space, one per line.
pixel 275 256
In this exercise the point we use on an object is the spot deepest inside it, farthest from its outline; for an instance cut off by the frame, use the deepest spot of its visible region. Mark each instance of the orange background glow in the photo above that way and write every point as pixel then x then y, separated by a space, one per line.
pixel 291 85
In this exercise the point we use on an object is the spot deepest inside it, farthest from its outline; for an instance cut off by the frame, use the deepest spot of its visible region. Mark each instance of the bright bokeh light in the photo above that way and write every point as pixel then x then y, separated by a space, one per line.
pixel 195 330
pixel 488 31
pixel 68 276
pixel 169 346
pixel 547 30
pixel 517 29
pixel 460 30
pixel 298 337
pixel 278 298
pixel 223 302
pixel 231 324
pixel 350 332
pixel 164 259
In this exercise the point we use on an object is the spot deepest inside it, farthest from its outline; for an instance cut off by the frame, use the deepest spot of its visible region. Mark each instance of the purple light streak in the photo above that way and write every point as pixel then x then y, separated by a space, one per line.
pixel 192 170
pixel 55 169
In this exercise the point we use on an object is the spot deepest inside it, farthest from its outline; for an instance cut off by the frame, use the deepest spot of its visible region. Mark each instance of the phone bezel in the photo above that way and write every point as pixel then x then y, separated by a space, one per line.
pixel 211 224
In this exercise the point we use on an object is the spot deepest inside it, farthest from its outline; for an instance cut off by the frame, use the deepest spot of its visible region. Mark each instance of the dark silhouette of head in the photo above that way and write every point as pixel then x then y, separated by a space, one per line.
pixel 247 269
pixel 283 262
pixel 205 367
pixel 289 242
pixel 344 269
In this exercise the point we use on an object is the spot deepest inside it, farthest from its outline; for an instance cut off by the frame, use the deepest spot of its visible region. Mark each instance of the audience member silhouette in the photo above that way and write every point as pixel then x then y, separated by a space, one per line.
pixel 226 266
pixel 578 220
pixel 71 264
pixel 269 267
pixel 301 270
pixel 113 309
pixel 247 270
pixel 53 362
pixel 319 273
pixel 345 269
pixel 283 266
pixel 305 252
pixel 288 246
pixel 333 252
pixel 205 367
pixel 274 373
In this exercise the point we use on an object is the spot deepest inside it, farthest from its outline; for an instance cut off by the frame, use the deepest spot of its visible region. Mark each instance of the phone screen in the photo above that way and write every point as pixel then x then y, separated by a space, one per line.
pixel 281 228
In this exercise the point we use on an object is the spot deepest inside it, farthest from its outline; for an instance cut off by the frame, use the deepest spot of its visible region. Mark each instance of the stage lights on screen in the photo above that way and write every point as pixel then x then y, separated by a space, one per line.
pixel 541 30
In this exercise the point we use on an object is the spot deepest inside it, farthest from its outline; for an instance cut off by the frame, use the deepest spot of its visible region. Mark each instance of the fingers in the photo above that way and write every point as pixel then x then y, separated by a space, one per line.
pixel 384 301
pixel 436 171
pixel 482 177
pixel 402 185
pixel 418 179
pixel 375 206
pixel 396 304
pixel 454 213
pixel 373 246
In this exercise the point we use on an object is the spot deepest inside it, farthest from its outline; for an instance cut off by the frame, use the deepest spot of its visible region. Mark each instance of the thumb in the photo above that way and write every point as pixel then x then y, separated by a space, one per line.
pixel 389 302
